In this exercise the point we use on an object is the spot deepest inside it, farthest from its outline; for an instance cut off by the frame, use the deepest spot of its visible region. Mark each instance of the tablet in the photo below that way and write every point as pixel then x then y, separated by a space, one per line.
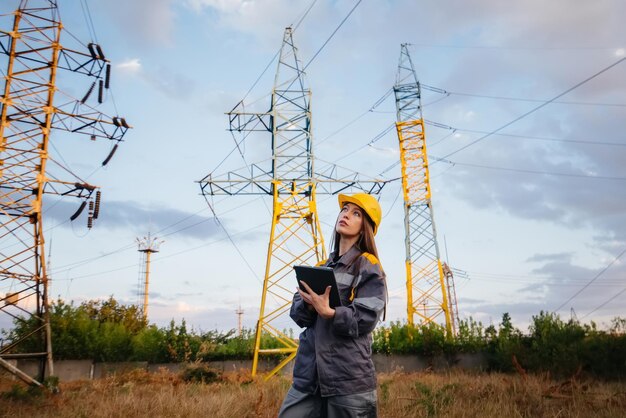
pixel 318 279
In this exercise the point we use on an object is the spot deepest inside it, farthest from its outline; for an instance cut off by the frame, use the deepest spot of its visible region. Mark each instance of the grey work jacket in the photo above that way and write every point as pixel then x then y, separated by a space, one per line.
pixel 335 355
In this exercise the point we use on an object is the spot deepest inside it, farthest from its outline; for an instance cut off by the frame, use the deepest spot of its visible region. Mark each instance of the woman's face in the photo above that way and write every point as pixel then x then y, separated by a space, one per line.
pixel 350 221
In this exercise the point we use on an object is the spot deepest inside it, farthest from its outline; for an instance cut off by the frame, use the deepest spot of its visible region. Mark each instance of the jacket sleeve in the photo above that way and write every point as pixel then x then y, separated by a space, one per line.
pixel 361 316
pixel 300 312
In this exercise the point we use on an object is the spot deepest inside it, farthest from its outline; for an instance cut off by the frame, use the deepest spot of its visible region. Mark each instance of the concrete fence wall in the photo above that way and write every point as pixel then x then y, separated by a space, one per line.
pixel 69 370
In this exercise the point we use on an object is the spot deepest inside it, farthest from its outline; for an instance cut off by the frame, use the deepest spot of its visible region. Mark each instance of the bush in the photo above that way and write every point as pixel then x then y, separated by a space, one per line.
pixel 109 331
pixel 150 344
pixel 401 338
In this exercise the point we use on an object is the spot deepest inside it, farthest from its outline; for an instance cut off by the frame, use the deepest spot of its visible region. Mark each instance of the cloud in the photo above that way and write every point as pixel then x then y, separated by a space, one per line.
pixel 130 66
pixel 590 290
pixel 145 22
pixel 564 199
pixel 550 257
pixel 258 18
pixel 203 318
pixel 138 217
pixel 171 83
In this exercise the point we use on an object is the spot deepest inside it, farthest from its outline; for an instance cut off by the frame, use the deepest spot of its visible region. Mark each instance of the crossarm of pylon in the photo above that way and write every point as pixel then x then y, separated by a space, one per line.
pixel 96 124
pixel 74 189
pixel 247 121
pixel 252 180
pixel 82 63
pixel 68 59
pixel 332 179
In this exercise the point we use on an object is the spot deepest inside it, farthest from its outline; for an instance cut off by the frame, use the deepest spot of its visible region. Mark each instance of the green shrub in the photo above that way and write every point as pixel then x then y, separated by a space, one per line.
pixel 471 336
pixel 150 345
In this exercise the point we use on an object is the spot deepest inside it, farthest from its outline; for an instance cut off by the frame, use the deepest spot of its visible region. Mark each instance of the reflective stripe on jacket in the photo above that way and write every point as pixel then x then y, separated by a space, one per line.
pixel 335 355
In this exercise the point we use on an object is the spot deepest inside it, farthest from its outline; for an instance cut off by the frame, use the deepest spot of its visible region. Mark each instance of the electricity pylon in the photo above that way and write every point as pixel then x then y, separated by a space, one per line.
pixel 426 281
pixel 295 234
pixel 30 110
pixel 146 246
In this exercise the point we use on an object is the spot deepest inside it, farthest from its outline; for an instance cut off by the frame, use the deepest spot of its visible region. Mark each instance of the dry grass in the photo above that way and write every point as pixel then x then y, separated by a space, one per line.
pixel 457 394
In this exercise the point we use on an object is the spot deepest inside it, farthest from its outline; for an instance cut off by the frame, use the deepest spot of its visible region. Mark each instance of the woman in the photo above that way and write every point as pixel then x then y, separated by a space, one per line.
pixel 334 375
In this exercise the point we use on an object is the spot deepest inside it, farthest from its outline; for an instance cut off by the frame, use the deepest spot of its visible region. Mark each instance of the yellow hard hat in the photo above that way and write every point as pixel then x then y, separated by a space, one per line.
pixel 367 202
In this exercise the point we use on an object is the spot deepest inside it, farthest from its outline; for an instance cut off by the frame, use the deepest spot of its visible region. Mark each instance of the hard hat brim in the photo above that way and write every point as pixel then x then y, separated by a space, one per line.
pixel 344 198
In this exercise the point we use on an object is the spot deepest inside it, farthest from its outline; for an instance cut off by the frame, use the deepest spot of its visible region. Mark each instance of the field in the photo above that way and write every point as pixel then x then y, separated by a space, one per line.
pixel 454 394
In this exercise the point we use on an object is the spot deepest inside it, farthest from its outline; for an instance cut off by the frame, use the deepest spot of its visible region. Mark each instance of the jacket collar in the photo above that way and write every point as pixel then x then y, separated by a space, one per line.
pixel 348 257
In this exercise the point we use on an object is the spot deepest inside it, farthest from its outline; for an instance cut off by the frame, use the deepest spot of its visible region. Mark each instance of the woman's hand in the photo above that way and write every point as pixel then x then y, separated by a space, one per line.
pixel 320 303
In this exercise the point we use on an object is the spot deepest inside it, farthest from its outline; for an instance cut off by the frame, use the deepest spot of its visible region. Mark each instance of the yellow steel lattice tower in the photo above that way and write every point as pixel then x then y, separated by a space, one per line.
pixel 427 290
pixel 29 113
pixel 295 234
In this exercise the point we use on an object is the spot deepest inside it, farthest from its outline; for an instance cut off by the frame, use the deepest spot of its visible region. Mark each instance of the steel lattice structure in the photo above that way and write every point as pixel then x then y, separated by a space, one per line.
pixel 30 111
pixel 295 234
pixel 427 287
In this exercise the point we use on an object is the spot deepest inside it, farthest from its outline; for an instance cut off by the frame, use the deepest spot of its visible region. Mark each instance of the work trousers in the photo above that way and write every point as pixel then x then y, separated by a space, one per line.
pixel 304 405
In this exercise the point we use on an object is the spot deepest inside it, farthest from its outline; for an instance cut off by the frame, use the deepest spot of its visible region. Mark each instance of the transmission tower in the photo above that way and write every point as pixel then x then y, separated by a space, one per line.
pixel 32 107
pixel 427 291
pixel 239 313
pixel 146 246
pixel 295 234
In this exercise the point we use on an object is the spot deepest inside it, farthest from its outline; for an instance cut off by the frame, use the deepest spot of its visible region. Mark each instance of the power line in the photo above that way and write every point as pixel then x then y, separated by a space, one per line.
pixel 533 110
pixel 371 142
pixel 605 302
pixel 276 55
pixel 303 69
pixel 542 138
pixel 517 99
pixel 73 265
pixel 591 281
pixel 160 258
pixel 332 34
pixel 529 48
pixel 230 238
pixel 377 103
pixel 520 170
pixel 305 14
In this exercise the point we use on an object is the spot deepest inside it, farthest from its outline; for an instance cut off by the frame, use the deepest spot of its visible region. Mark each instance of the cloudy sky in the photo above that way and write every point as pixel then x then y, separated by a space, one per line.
pixel 525 103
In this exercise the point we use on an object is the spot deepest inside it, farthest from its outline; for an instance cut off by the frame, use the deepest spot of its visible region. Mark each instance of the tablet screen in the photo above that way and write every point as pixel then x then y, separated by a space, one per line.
pixel 318 279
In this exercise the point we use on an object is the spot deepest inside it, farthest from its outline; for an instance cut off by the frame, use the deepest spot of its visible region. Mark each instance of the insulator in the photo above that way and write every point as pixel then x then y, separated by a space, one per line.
pixel 93 137
pixel 79 211
pixel 100 90
pixel 100 53
pixel 116 121
pixel 107 77
pixel 124 124
pixel 89 222
pixel 108 158
pixel 91 206
pixel 92 51
pixel 96 209
pixel 84 99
